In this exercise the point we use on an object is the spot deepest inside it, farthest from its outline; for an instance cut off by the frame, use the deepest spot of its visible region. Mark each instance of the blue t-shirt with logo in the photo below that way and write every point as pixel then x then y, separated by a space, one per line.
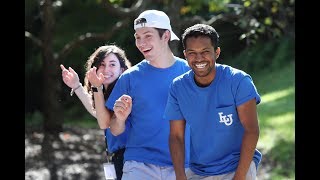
pixel 215 129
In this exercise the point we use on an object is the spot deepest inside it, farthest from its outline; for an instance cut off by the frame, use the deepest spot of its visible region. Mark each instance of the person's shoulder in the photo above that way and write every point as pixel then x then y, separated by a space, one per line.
pixel 135 68
pixel 230 71
pixel 231 75
pixel 182 62
pixel 183 77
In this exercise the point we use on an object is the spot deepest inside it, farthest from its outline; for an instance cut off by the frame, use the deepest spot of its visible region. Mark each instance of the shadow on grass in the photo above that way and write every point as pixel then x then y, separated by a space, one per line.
pixel 282 160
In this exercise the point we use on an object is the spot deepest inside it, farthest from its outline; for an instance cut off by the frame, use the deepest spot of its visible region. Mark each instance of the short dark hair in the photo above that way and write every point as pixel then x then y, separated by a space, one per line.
pixel 161 31
pixel 201 30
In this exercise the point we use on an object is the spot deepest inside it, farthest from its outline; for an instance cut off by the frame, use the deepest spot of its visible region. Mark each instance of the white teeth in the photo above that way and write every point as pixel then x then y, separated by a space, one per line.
pixel 201 65
pixel 146 49
pixel 107 76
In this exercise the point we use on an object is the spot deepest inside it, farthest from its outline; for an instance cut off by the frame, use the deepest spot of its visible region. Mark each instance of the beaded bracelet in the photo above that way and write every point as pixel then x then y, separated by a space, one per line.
pixel 73 90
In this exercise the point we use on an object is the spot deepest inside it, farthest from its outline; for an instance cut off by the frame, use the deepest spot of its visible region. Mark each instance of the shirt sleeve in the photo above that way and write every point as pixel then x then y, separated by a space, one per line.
pixel 120 88
pixel 246 90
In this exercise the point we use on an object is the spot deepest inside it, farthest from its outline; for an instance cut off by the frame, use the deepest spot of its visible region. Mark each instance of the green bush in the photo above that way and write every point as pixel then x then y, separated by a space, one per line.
pixel 265 56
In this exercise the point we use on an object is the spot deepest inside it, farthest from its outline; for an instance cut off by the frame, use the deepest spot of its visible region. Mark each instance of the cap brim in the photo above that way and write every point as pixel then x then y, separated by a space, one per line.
pixel 173 36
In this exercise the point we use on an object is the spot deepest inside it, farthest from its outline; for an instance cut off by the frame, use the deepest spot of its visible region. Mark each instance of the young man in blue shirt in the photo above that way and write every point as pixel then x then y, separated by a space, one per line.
pixel 140 97
pixel 219 103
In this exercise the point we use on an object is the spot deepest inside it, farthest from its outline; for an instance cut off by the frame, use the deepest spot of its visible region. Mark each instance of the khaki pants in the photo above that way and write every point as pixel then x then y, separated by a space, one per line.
pixel 251 175
pixel 133 170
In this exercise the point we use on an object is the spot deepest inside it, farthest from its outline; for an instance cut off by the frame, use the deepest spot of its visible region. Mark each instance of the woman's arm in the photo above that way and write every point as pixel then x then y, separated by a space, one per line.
pixel 103 115
pixel 71 79
pixel 86 100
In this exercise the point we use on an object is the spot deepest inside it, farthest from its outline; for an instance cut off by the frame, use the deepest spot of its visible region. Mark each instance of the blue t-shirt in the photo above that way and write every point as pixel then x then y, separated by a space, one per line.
pixel 148 87
pixel 215 128
pixel 116 142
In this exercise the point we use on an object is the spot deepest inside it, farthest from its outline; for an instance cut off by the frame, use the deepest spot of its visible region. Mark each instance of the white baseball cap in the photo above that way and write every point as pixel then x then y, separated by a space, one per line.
pixel 155 19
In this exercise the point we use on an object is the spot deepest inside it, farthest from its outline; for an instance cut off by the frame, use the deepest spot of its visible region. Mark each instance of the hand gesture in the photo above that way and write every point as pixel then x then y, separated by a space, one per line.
pixel 122 107
pixel 93 78
pixel 69 77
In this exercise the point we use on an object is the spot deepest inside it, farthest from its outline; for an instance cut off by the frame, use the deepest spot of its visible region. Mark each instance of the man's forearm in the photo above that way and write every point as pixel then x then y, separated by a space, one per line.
pixel 177 152
pixel 117 126
pixel 249 143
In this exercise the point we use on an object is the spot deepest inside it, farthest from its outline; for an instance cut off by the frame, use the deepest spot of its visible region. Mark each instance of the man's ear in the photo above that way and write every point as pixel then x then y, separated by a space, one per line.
pixel 167 35
pixel 218 52
pixel 184 53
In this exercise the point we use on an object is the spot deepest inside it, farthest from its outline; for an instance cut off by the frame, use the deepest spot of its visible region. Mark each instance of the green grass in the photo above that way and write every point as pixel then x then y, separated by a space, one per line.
pixel 76 116
pixel 87 121
pixel 277 120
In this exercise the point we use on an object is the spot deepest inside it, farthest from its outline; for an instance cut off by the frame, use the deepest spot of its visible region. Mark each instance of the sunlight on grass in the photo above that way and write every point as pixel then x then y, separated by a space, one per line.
pixel 276 116
pixel 282 127
pixel 277 122
pixel 277 95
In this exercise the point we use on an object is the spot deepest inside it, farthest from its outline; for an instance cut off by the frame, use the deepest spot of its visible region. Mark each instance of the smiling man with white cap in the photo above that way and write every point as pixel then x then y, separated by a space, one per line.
pixel 156 19
pixel 140 95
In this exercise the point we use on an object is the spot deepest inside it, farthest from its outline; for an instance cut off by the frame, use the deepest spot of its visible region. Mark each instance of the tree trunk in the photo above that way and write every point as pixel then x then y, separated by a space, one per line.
pixel 175 21
pixel 51 91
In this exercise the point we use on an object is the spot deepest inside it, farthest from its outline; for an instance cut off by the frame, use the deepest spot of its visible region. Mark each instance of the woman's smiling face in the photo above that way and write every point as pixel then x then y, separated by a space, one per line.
pixel 110 68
